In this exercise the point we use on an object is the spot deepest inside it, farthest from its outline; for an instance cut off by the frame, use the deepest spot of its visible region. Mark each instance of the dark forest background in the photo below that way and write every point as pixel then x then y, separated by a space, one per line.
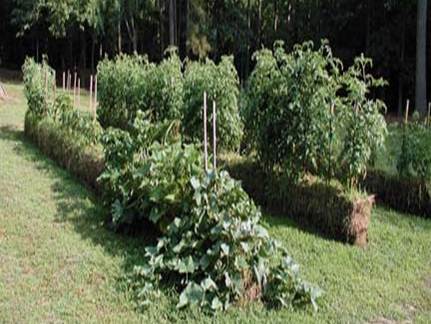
pixel 78 33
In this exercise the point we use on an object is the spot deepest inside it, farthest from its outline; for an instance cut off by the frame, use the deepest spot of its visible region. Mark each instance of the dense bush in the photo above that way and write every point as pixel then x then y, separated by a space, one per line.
pixel 164 97
pixel 130 83
pixel 38 80
pixel 122 88
pixel 221 83
pixel 304 114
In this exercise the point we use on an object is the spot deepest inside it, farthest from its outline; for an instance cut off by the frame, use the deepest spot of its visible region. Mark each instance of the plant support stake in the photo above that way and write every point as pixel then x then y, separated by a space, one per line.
pixel 205 133
pixel 214 137
pixel 64 81
pixel 91 96
pixel 79 92
pixel 95 95
pixel 406 118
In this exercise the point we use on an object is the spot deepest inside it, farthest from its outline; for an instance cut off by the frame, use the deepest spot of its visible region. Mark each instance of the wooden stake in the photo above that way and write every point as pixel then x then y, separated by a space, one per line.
pixel 406 118
pixel 74 88
pixel 69 81
pixel 214 137
pixel 91 95
pixel 95 94
pixel 54 84
pixel 79 92
pixel 64 81
pixel 205 133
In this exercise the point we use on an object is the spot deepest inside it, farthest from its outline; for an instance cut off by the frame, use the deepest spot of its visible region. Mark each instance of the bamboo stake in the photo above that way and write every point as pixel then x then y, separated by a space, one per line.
pixel 54 84
pixel 79 92
pixel 69 81
pixel 214 137
pixel 64 81
pixel 91 95
pixel 205 133
pixel 406 118
pixel 95 94
pixel 74 88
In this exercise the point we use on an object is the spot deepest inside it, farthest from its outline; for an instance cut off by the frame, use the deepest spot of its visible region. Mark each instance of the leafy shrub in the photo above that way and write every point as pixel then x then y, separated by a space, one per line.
pixel 414 158
pixel 222 85
pixel 165 89
pixel 304 114
pixel 363 126
pixel 131 83
pixel 122 89
pixel 38 80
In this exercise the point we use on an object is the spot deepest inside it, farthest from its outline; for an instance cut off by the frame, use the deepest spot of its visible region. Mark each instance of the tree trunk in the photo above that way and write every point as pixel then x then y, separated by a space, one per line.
pixel 172 23
pixel 421 41
pixel 400 70
pixel 119 37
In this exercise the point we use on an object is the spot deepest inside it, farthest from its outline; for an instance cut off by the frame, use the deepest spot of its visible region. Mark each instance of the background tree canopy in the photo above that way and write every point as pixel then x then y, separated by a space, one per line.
pixel 78 33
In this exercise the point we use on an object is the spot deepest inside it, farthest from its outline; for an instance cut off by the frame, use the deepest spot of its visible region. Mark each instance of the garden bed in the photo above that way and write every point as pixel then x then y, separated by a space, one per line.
pixel 409 195
pixel 84 161
pixel 314 204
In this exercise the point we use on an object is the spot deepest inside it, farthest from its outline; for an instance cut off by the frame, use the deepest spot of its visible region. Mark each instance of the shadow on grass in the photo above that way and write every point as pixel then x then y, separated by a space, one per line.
pixel 81 208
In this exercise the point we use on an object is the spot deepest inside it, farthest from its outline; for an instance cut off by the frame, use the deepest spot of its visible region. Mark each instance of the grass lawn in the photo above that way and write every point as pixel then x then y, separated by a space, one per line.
pixel 58 262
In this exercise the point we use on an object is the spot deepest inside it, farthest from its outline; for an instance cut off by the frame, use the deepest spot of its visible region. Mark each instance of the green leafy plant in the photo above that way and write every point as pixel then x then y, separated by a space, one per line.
pixel 122 89
pixel 221 83
pixel 363 125
pixel 219 254
pixel 38 80
pixel 130 83
pixel 304 114
pixel 414 158
pixel 212 247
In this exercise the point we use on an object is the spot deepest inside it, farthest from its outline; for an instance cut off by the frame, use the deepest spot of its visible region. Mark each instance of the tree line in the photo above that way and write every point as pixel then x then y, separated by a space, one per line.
pixel 78 33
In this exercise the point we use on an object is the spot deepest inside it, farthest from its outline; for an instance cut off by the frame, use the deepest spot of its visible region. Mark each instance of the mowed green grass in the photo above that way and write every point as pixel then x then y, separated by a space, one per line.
pixel 60 263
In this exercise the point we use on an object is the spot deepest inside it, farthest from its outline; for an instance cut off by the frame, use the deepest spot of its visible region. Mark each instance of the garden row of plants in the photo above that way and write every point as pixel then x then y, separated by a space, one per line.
pixel 211 245
pixel 401 173
pixel 68 136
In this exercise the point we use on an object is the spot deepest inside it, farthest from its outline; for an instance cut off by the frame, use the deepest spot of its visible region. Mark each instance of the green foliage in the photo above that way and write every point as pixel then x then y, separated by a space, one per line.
pixel 131 83
pixel 221 85
pixel 363 124
pixel 212 245
pixel 38 80
pixel 165 88
pixel 414 158
pixel 75 121
pixel 218 253
pixel 304 114
pixel 122 88
pixel 134 170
